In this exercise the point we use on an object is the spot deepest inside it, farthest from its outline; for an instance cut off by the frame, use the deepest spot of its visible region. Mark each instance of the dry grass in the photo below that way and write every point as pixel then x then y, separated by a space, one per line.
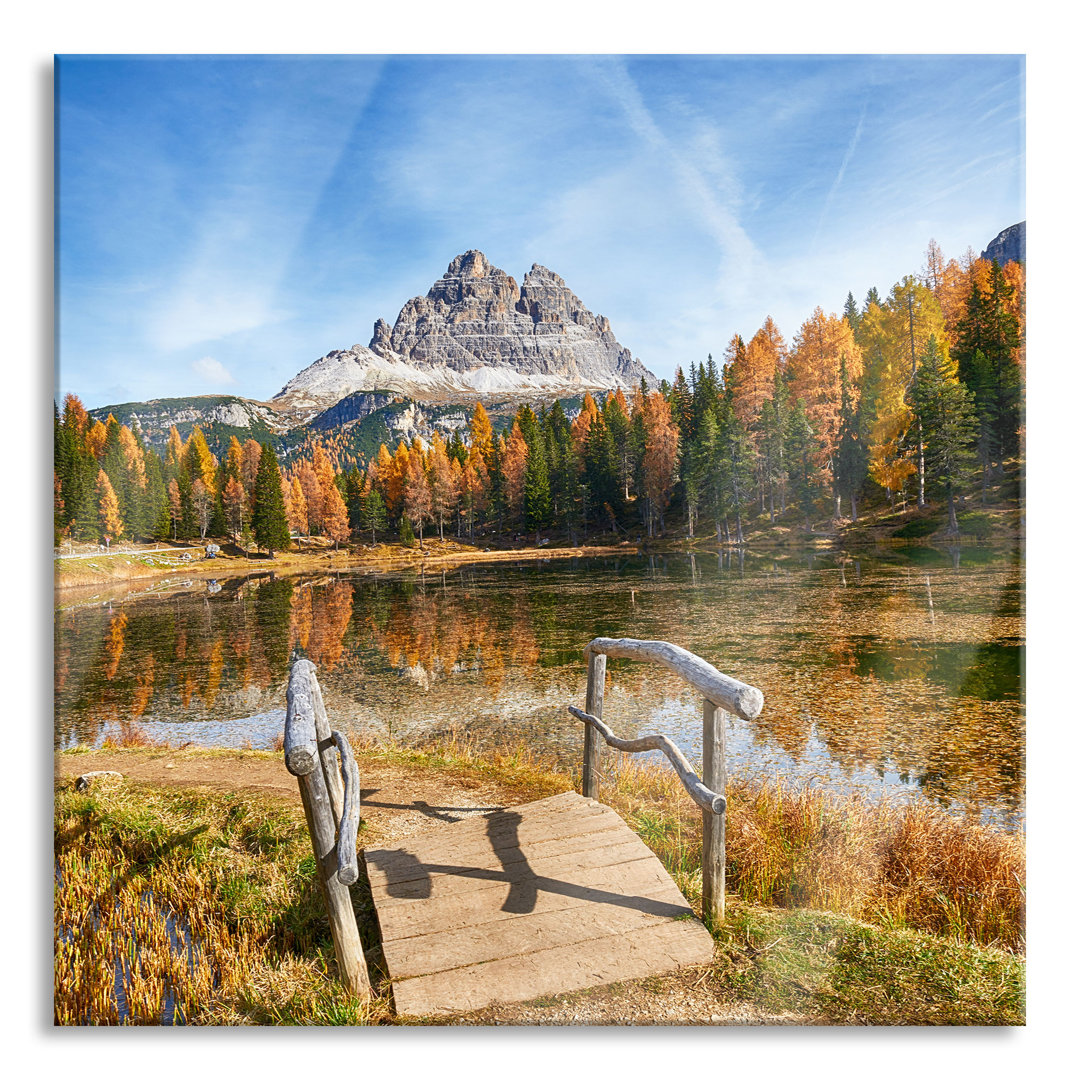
pixel 130 735
pixel 202 907
pixel 896 864
pixel 188 908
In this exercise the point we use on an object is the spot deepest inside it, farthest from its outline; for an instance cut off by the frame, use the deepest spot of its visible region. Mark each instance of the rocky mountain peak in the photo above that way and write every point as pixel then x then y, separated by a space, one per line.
pixel 471 276
pixel 477 334
pixel 1010 245
pixel 381 339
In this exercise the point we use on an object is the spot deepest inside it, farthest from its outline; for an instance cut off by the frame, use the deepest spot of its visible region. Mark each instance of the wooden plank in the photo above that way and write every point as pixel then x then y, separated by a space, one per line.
pixel 518 934
pixel 455 875
pixel 598 884
pixel 529 911
pixel 612 958
pixel 606 885
pixel 405 866
pixel 507 828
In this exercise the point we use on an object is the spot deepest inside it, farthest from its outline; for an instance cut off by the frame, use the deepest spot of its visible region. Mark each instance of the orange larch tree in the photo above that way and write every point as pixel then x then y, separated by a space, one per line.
pixel 814 365
pixel 579 429
pixel 444 493
pixel 297 508
pixel 480 432
pixel 513 466
pixel 752 372
pixel 661 457
pixel 234 500
pixel 335 523
pixel 417 493
pixel 108 509
pixel 313 496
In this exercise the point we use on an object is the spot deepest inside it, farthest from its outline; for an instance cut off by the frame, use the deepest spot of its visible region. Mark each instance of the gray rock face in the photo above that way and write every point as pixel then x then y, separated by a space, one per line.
pixel 354 407
pixel 1010 245
pixel 477 333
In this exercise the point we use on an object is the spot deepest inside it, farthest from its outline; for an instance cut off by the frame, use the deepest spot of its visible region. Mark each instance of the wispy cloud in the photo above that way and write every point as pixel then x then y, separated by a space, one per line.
pixel 718 217
pixel 848 154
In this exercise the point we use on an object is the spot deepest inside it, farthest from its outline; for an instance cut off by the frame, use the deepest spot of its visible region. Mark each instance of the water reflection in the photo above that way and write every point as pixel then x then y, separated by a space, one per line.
pixel 889 672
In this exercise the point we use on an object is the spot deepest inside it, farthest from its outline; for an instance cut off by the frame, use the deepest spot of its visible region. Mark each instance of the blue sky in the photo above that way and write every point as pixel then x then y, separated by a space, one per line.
pixel 223 222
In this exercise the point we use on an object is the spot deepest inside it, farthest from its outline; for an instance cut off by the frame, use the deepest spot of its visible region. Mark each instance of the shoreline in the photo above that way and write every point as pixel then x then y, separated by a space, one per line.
pixel 120 568
pixel 127 567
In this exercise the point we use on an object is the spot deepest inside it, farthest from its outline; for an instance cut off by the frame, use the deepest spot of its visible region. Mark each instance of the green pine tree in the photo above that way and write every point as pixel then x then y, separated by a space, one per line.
pixel 851 313
pixel 801 444
pixel 268 518
pixel 373 513
pixel 536 497
pixel 946 409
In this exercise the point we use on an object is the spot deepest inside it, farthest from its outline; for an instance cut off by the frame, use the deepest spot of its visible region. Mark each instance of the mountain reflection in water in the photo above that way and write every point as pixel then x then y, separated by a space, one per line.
pixel 865 684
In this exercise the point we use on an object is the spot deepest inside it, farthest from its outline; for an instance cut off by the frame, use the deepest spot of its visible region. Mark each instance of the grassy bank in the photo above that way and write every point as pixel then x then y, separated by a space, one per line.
pixel 203 905
pixel 316 555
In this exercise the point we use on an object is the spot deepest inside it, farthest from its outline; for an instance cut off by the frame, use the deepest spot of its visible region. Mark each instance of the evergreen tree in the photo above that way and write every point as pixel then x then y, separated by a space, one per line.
pixel 373 513
pixel 497 479
pixel 114 466
pixel 945 407
pixel 772 426
pixel 601 469
pixel 268 521
pixel 219 523
pixel 354 499
pixel 562 465
pixel 801 449
pixel 989 327
pixel 851 313
pixel 682 407
pixel 456 450
pixel 735 463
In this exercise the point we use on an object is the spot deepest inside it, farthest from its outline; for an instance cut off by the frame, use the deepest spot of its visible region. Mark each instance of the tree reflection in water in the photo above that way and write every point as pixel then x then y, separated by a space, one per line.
pixel 857 671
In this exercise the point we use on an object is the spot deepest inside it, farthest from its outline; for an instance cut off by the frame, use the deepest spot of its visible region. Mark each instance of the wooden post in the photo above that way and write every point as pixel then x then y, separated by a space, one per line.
pixel 714 770
pixel 352 968
pixel 304 716
pixel 594 704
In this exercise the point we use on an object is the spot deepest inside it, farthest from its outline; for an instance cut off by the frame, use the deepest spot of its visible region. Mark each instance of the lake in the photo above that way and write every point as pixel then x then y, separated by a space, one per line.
pixel 895 672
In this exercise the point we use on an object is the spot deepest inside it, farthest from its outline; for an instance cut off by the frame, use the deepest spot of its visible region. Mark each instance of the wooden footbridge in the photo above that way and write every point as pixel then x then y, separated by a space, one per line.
pixel 528 901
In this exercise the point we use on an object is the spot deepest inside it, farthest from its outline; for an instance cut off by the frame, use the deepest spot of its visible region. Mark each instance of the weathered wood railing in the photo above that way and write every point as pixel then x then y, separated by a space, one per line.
pixel 324 766
pixel 720 693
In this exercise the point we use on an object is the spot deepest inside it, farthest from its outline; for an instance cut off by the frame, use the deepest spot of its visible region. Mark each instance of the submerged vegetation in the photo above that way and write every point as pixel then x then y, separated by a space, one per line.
pixel 199 907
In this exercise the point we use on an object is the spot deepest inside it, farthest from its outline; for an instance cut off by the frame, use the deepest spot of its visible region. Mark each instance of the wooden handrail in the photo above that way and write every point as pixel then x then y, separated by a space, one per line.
pixel 348 867
pixel 720 692
pixel 706 799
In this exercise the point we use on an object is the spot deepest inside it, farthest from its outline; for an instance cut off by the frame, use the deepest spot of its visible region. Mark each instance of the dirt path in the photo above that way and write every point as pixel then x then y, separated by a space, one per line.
pixel 398 802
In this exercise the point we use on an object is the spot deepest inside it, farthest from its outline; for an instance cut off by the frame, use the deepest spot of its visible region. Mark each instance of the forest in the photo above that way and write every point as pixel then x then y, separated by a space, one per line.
pixel 917 395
